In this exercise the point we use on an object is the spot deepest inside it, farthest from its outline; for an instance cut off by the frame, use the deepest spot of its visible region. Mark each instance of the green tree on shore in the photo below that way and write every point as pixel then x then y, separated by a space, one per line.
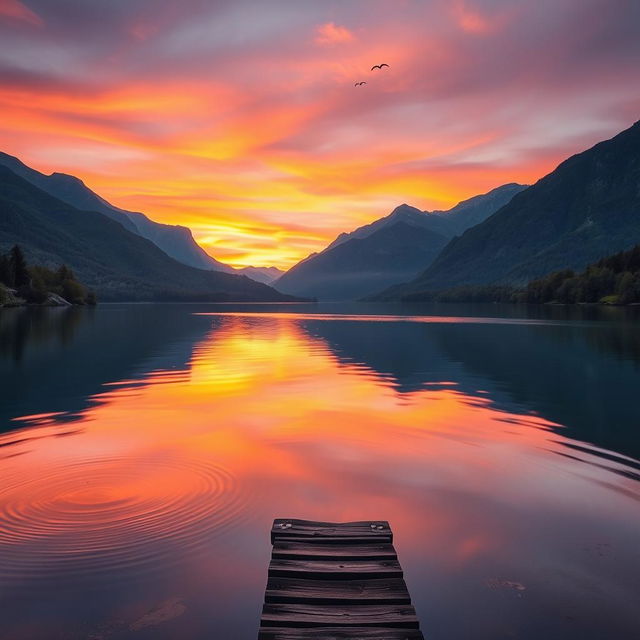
pixel 611 280
pixel 35 283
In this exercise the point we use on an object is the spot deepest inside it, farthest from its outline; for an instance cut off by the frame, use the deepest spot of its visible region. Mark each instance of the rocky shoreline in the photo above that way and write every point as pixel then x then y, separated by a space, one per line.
pixel 11 299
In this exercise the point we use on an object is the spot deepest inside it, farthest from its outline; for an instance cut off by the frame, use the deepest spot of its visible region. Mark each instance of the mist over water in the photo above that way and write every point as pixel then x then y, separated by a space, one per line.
pixel 145 449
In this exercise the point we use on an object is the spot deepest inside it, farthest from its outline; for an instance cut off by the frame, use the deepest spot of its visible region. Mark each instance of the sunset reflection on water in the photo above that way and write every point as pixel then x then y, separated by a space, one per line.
pixel 158 495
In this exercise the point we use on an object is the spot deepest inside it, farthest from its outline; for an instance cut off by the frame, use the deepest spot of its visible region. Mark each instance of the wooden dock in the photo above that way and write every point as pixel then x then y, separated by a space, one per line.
pixel 331 581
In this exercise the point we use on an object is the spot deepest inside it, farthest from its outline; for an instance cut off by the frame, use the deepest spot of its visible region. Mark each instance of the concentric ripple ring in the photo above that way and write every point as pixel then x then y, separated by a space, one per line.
pixel 114 514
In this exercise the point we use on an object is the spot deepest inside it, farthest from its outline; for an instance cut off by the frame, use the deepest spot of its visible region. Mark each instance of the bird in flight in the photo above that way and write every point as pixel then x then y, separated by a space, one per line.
pixel 357 84
pixel 379 66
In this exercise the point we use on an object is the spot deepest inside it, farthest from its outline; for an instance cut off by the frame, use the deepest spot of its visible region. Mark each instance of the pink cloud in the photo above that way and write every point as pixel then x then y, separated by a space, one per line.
pixel 331 33
pixel 15 10
pixel 470 20
pixel 143 31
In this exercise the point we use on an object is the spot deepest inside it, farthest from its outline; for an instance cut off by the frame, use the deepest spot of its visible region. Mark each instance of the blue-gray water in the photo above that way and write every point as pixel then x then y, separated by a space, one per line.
pixel 145 449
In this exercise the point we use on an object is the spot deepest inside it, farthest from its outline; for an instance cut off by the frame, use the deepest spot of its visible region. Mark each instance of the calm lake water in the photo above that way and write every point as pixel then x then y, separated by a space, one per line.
pixel 145 449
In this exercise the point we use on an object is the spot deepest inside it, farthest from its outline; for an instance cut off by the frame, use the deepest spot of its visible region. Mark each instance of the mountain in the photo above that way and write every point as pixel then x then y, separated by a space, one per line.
pixel 469 213
pixel 404 213
pixel 387 251
pixel 587 208
pixel 450 222
pixel 358 267
pixel 176 241
pixel 113 261
pixel 266 275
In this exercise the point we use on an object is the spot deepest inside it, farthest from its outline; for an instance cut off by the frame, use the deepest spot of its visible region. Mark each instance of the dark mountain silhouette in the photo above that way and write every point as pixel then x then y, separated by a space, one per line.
pixel 587 208
pixel 473 211
pixel 357 267
pixel 175 240
pixel 114 262
pixel 389 250
pixel 266 275
pixel 449 222
pixel 404 213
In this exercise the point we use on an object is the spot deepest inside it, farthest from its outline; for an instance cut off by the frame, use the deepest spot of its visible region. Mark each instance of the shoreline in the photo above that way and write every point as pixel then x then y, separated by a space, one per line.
pixel 59 302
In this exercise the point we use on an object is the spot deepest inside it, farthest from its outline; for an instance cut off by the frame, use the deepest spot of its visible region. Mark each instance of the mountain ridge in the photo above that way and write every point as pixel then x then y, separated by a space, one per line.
pixel 586 208
pixel 329 275
pixel 113 261
pixel 266 275
pixel 347 270
pixel 175 240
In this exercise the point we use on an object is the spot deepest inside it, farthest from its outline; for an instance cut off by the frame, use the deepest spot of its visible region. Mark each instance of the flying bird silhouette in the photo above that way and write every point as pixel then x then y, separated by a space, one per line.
pixel 357 84
pixel 379 66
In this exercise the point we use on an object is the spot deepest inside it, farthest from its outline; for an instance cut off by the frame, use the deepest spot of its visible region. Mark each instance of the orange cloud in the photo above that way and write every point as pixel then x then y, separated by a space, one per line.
pixel 331 33
pixel 14 9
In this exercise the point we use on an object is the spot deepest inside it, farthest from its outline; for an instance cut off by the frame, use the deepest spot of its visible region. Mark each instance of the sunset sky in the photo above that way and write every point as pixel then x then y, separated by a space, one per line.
pixel 240 119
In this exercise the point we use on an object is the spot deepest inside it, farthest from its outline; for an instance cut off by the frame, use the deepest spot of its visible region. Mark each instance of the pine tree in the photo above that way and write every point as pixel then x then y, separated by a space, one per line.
pixel 64 273
pixel 626 288
pixel 18 267
pixel 5 271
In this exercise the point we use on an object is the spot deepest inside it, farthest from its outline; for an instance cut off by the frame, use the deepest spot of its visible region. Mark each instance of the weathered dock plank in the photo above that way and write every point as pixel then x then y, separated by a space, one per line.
pixel 370 529
pixel 336 569
pixel 313 550
pixel 309 615
pixel 386 591
pixel 329 540
pixel 339 633
pixel 336 581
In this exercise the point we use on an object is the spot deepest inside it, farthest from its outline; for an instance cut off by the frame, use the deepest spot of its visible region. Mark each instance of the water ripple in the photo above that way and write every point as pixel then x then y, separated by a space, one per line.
pixel 114 515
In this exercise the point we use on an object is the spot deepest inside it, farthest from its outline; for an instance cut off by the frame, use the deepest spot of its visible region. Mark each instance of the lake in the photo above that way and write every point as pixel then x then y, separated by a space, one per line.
pixel 145 450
